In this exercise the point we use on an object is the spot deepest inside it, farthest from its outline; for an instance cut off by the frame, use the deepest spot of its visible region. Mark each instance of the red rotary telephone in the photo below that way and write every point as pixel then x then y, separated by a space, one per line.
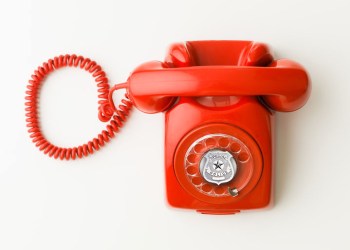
pixel 219 99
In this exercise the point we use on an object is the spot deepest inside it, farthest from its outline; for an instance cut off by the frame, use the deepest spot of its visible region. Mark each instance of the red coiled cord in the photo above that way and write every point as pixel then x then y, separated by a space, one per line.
pixel 107 110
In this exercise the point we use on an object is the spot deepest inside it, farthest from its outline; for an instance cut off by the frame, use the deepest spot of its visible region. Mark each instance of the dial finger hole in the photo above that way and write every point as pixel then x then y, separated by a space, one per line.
pixel 196 181
pixel 243 157
pixel 192 158
pixel 207 188
pixel 192 170
pixel 220 190
pixel 199 148
pixel 235 147
pixel 224 142
pixel 210 142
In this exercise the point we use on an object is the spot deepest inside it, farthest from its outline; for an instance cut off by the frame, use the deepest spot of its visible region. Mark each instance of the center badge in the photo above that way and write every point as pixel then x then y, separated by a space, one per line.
pixel 218 167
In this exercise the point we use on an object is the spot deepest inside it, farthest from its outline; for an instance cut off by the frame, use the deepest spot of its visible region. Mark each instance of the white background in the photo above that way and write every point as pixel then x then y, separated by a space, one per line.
pixel 115 199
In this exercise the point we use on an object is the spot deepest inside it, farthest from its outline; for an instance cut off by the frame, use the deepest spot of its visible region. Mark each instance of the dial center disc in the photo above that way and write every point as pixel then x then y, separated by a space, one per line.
pixel 218 166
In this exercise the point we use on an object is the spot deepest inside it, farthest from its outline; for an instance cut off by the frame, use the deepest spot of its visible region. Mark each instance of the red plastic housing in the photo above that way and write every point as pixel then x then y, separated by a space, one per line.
pixel 219 95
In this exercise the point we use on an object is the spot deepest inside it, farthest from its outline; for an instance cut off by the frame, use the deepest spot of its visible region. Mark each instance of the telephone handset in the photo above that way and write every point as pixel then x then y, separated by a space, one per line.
pixel 218 98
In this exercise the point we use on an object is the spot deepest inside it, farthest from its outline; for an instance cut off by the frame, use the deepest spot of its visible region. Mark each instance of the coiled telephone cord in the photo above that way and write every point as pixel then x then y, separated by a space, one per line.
pixel 107 110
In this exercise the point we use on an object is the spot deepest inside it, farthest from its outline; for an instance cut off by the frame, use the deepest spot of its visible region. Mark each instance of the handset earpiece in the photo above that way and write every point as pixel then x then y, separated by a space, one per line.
pixel 296 92
pixel 256 54
pixel 178 56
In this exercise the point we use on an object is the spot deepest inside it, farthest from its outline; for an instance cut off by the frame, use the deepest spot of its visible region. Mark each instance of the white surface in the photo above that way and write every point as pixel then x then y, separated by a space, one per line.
pixel 92 203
